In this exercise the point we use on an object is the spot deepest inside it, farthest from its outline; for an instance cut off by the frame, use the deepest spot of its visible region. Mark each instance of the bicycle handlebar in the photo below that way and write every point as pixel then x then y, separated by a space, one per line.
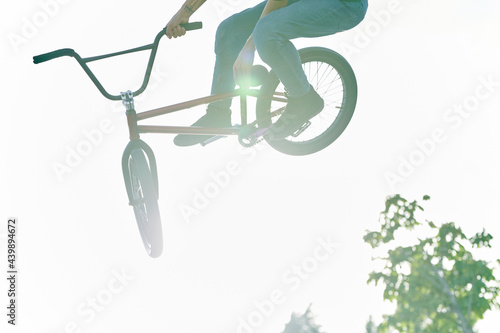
pixel 83 62
pixel 54 54
pixel 192 26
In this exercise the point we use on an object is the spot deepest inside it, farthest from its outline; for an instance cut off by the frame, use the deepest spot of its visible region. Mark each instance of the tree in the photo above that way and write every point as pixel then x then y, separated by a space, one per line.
pixel 370 326
pixel 302 323
pixel 436 283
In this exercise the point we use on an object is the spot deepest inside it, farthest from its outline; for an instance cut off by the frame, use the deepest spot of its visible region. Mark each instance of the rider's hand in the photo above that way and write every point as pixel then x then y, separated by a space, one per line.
pixel 173 28
pixel 242 67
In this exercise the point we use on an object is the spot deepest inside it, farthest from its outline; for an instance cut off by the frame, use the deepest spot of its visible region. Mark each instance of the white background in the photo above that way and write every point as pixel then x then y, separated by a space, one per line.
pixel 414 60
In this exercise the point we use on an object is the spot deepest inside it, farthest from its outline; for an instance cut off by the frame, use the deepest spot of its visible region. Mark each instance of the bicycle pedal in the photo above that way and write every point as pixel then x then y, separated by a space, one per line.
pixel 212 139
pixel 302 129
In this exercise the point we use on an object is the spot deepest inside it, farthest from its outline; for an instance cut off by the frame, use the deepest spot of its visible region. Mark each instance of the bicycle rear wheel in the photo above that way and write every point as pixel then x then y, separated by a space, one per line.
pixel 145 202
pixel 333 79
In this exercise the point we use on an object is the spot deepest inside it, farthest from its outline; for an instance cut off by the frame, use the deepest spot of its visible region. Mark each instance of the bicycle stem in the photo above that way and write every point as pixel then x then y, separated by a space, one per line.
pixel 128 102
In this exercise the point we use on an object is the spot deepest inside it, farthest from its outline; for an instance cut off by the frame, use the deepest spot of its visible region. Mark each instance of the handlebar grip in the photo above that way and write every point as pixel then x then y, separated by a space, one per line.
pixel 54 54
pixel 192 26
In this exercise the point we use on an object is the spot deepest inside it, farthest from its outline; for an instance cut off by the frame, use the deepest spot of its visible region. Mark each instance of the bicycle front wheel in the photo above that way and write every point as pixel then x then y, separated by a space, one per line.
pixel 145 203
pixel 333 79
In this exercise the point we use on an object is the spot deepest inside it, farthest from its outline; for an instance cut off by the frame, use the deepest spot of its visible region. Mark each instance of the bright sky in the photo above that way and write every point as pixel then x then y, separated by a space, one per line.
pixel 426 123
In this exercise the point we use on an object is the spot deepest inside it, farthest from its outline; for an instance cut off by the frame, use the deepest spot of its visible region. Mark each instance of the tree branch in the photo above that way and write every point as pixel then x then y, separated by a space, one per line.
pixel 469 314
pixel 454 305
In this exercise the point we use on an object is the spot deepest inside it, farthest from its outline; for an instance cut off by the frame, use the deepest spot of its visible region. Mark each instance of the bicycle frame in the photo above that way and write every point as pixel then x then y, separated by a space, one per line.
pixel 135 130
pixel 242 93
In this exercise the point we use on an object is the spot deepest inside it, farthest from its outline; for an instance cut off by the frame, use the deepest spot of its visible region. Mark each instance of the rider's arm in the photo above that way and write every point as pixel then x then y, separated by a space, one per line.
pixel 173 28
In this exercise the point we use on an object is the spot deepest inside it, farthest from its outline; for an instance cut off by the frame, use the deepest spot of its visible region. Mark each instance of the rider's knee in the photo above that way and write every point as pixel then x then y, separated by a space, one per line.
pixel 265 39
pixel 223 35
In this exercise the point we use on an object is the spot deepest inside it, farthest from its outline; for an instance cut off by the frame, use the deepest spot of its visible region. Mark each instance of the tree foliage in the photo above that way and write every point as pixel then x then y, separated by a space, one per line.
pixel 302 323
pixel 437 284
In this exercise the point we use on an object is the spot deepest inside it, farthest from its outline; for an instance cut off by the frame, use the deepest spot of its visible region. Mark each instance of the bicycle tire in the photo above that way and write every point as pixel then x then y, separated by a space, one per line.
pixel 145 203
pixel 333 78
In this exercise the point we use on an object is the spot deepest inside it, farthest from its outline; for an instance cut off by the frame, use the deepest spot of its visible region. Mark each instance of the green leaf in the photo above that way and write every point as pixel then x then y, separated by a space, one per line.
pixel 373 238
pixel 481 239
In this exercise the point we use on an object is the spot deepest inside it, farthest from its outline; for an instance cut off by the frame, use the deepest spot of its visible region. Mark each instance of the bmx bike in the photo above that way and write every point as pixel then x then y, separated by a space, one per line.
pixel 327 71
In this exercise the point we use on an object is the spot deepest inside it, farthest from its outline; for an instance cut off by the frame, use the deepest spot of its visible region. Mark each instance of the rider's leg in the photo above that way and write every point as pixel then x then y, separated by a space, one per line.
pixel 230 38
pixel 272 35
pixel 231 35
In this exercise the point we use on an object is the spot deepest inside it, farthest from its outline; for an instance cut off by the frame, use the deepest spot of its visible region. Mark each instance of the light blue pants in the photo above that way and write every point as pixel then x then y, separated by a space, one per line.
pixel 272 35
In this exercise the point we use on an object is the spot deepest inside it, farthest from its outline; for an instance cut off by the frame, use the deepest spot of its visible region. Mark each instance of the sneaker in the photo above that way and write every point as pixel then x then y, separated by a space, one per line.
pixel 297 112
pixel 213 118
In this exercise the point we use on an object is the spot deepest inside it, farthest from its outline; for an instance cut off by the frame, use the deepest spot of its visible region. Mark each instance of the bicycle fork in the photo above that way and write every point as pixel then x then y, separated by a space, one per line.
pixel 136 143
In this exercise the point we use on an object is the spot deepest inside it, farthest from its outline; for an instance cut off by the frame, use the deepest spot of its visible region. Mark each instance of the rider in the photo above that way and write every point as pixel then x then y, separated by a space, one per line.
pixel 268 28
